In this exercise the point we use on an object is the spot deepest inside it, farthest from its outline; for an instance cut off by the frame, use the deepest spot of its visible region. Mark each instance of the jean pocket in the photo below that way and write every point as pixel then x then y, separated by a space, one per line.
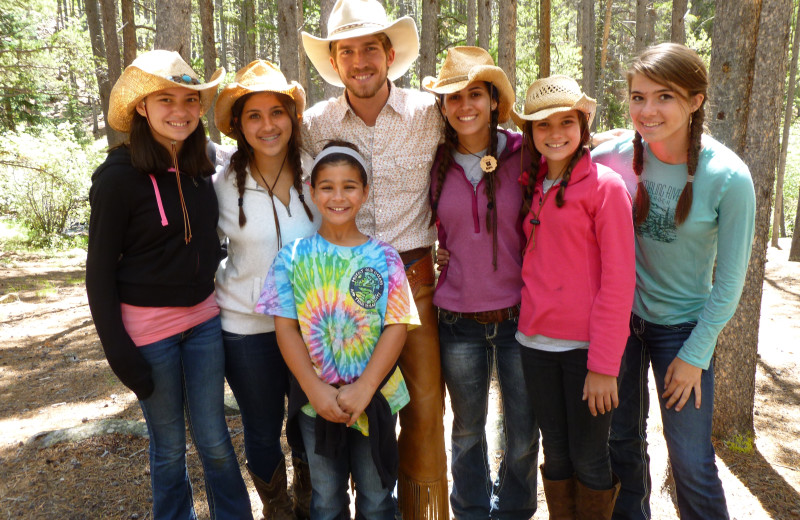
pixel 681 327
pixel 447 317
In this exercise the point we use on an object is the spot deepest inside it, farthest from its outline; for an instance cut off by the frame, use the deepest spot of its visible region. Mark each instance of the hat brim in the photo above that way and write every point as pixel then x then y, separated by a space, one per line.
pixel 233 91
pixel 402 33
pixel 585 104
pixel 135 84
pixel 490 73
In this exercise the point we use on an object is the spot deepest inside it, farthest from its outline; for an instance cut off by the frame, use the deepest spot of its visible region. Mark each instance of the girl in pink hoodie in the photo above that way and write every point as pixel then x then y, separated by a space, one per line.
pixel 578 274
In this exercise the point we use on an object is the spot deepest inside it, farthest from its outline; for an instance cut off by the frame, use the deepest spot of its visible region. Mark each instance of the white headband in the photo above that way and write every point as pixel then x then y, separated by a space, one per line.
pixel 340 149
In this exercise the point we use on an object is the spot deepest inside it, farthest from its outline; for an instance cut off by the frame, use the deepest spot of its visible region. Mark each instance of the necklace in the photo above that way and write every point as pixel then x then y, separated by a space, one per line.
pixel 535 220
pixel 271 196
pixel 488 163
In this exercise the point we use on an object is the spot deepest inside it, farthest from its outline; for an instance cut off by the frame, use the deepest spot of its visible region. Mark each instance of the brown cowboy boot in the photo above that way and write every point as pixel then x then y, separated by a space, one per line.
pixel 595 505
pixel 560 496
pixel 301 487
pixel 275 501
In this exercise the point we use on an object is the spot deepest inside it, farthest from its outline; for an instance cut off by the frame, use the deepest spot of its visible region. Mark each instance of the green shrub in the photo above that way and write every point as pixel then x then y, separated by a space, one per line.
pixel 45 178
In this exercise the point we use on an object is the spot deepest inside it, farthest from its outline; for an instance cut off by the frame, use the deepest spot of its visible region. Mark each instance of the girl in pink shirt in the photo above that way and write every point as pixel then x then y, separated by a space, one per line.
pixel 578 274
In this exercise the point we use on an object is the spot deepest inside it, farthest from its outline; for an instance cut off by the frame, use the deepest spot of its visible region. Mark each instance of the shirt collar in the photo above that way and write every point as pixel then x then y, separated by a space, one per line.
pixel 395 102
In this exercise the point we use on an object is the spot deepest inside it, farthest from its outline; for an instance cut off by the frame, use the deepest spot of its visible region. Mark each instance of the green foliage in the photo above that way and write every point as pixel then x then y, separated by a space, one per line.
pixel 791 181
pixel 45 178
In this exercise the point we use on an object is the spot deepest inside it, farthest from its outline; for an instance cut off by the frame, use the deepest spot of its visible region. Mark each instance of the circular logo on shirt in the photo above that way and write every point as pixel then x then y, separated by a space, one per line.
pixel 366 287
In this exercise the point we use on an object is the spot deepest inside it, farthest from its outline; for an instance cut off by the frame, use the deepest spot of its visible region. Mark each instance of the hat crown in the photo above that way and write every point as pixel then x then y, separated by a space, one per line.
pixel 460 60
pixel 261 72
pixel 553 91
pixel 352 14
pixel 164 64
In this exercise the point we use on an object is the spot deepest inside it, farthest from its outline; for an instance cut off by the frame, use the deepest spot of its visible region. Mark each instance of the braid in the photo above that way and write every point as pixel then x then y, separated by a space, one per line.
pixel 579 153
pixel 695 143
pixel 445 160
pixel 239 161
pixel 536 160
pixel 491 182
pixel 295 145
pixel 641 206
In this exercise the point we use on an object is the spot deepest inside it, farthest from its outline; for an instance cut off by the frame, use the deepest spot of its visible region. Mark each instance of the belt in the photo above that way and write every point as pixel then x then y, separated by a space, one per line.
pixel 413 255
pixel 495 316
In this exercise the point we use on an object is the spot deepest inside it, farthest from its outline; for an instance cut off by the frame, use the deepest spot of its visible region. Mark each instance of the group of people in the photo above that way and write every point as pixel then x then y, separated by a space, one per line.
pixel 565 271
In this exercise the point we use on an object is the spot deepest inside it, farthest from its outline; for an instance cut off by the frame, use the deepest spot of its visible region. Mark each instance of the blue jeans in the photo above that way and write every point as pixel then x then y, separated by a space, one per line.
pixel 258 376
pixel 330 477
pixel 573 441
pixel 188 372
pixel 687 433
pixel 469 350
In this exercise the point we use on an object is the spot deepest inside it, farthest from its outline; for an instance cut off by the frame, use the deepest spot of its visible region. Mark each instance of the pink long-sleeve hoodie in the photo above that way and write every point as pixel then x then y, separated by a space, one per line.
pixel 579 269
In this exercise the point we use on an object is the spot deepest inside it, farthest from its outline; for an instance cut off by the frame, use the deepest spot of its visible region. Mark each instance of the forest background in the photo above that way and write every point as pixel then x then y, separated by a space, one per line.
pixel 59 59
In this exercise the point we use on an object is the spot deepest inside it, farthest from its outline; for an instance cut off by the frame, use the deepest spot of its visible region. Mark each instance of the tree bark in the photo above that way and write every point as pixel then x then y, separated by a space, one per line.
pixel 302 65
pixel 602 109
pixel 128 32
pixel 641 26
pixel 484 23
pixel 507 40
pixel 472 34
pixel 173 27
pixel 223 35
pixel 787 125
pixel 325 8
pixel 206 8
pixel 287 35
pixel 794 251
pixel 108 12
pixel 429 39
pixel 678 28
pixel 544 38
pixel 737 347
pixel 249 33
pixel 588 48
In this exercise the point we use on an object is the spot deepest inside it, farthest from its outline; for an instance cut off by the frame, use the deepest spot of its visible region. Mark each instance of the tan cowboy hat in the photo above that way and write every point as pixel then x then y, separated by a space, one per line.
pixel 464 65
pixel 554 94
pixel 151 72
pixel 258 76
pixel 354 18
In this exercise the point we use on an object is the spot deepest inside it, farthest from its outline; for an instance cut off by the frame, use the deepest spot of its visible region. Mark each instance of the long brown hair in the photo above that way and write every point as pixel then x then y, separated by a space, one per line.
pixel 244 152
pixel 149 156
pixel 490 180
pixel 672 65
pixel 536 159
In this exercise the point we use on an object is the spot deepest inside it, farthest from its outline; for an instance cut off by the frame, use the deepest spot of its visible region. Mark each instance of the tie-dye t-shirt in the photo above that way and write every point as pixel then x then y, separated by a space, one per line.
pixel 342 298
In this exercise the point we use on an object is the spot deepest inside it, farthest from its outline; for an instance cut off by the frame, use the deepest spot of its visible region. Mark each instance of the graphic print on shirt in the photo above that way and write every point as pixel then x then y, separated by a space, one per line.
pixel 660 223
pixel 366 287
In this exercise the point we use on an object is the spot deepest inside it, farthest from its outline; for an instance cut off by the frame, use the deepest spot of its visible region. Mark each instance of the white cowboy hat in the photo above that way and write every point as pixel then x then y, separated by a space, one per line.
pixel 354 18
pixel 151 72
pixel 556 93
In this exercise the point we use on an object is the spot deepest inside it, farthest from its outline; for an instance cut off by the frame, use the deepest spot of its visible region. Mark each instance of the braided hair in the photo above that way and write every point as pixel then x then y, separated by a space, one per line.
pixel 490 180
pixel 536 159
pixel 679 68
pixel 243 155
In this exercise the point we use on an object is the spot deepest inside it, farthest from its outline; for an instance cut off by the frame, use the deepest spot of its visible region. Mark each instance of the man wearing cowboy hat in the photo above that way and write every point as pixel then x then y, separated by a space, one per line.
pixel 397 131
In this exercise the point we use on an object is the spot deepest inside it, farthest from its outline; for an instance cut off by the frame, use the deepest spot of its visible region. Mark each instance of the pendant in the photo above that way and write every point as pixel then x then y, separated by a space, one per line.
pixel 488 164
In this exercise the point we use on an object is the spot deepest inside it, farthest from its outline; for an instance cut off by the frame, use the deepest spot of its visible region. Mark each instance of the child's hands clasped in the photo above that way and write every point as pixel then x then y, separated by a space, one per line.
pixel 324 401
pixel 353 399
pixel 600 393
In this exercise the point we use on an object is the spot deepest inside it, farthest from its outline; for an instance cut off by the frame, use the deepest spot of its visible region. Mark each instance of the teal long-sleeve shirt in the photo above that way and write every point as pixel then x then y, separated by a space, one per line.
pixel 675 264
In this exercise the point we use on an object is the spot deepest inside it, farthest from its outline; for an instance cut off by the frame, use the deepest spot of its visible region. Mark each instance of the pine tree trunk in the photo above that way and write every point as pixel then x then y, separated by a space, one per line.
pixel 544 38
pixel 737 348
pixel 484 23
pixel 507 39
pixel 249 21
pixel 173 27
pixel 223 35
pixel 429 39
pixel 641 26
pixel 325 8
pixel 109 16
pixel 472 10
pixel 128 32
pixel 287 35
pixel 588 48
pixel 206 8
pixel 678 28
pixel 794 251
pixel 787 125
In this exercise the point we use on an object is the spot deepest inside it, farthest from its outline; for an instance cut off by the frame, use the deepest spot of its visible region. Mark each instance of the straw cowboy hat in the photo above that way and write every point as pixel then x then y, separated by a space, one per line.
pixel 354 18
pixel 464 65
pixel 258 76
pixel 557 93
pixel 151 72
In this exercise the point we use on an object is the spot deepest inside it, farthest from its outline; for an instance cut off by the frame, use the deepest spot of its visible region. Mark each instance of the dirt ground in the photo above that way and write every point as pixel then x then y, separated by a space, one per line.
pixel 53 375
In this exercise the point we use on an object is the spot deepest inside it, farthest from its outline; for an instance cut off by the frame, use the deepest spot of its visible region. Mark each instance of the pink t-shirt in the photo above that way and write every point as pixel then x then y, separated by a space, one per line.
pixel 146 325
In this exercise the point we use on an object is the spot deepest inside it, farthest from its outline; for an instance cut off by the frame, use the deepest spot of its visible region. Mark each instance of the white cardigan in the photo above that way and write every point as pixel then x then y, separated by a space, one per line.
pixel 253 247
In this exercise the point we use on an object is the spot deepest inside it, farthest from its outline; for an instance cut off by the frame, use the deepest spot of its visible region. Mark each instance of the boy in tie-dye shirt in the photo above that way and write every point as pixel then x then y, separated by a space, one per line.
pixel 342 306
